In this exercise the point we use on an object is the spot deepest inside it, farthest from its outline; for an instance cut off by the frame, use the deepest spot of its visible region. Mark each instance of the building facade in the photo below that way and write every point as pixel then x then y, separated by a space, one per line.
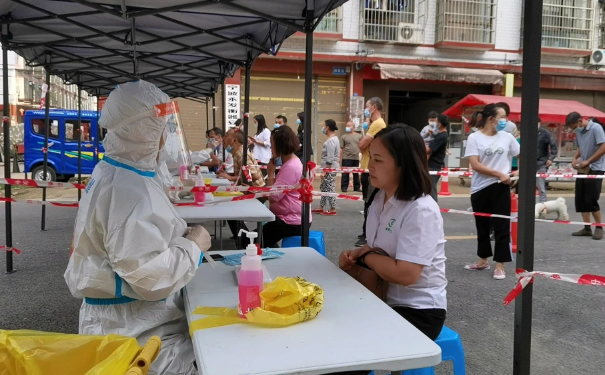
pixel 25 90
pixel 423 55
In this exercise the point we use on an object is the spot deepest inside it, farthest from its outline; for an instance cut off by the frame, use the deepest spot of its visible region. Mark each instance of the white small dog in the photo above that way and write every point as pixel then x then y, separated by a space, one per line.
pixel 558 206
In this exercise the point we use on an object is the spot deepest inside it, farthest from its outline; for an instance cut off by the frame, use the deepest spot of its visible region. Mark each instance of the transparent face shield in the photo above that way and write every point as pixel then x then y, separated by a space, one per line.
pixel 175 149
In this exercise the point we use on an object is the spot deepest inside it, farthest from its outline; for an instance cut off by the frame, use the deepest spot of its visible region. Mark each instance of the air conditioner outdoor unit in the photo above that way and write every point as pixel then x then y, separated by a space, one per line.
pixel 597 57
pixel 405 33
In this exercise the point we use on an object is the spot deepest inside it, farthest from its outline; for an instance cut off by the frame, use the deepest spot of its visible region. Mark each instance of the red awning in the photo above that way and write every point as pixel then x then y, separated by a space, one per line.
pixel 551 110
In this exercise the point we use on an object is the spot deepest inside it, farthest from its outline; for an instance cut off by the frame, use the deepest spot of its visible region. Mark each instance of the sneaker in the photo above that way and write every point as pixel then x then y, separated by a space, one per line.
pixel 499 275
pixel 361 242
pixel 318 210
pixel 598 234
pixel 361 236
pixel 584 233
pixel 358 191
pixel 344 191
pixel 329 213
pixel 476 267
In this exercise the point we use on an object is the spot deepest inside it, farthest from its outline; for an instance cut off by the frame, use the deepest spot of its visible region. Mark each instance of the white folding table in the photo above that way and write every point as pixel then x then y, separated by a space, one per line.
pixel 354 331
pixel 245 210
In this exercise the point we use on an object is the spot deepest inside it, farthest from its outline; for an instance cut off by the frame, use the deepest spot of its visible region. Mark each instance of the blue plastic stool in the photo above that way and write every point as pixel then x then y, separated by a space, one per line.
pixel 316 241
pixel 451 350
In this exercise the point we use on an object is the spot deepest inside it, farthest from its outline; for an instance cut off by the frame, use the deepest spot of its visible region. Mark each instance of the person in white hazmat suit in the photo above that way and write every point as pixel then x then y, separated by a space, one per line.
pixel 129 259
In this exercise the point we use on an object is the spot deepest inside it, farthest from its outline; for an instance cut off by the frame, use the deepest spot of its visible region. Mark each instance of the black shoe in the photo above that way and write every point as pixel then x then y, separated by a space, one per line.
pixel 361 242
pixel 361 236
pixel 358 191
pixel 344 191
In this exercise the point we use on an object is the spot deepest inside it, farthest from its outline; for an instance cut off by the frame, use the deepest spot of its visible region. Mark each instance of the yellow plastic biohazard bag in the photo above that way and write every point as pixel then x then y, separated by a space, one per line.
pixel 284 301
pixel 26 352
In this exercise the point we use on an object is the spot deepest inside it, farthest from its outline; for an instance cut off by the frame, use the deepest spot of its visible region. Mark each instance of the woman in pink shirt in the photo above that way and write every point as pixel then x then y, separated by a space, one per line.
pixel 286 207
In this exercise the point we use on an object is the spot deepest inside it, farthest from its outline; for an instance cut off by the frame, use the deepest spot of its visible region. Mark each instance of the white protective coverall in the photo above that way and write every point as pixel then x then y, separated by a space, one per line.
pixel 129 258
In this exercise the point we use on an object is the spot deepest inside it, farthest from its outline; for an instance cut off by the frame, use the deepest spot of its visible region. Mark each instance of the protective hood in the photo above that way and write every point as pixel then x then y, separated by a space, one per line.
pixel 131 138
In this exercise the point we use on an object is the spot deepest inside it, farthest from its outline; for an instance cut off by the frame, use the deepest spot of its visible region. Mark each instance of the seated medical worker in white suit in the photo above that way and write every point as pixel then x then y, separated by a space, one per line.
pixel 129 258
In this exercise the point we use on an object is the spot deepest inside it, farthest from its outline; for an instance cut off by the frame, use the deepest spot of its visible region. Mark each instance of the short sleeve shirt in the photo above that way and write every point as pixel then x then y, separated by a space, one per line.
pixel 375 127
pixel 411 231
pixel 350 146
pixel 495 152
pixel 589 140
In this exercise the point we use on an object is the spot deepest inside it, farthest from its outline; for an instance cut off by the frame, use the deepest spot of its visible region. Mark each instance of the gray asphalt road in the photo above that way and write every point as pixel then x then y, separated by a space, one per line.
pixel 568 326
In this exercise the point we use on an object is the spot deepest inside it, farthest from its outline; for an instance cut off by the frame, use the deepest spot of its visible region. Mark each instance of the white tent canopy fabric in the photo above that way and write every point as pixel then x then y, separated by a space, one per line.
pixel 185 47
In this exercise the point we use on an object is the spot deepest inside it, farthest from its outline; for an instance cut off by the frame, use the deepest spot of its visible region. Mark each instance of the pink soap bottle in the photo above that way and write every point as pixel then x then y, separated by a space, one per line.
pixel 199 196
pixel 250 282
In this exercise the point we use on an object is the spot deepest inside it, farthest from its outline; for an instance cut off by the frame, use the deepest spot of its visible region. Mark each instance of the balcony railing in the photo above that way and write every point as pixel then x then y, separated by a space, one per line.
pixel 399 21
pixel 567 24
pixel 466 21
pixel 331 23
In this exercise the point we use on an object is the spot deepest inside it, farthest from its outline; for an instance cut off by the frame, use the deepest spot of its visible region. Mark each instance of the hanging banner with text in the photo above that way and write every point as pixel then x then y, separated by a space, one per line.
pixel 232 107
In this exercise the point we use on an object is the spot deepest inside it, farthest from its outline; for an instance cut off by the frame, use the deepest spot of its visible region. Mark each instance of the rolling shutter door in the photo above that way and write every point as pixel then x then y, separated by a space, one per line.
pixel 273 95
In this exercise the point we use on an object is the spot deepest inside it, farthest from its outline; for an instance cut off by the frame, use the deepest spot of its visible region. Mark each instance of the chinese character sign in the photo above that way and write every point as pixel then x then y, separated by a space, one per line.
pixel 43 98
pixel 232 107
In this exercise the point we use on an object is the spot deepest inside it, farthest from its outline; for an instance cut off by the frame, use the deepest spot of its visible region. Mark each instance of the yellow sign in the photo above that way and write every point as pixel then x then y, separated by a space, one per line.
pixel 509 85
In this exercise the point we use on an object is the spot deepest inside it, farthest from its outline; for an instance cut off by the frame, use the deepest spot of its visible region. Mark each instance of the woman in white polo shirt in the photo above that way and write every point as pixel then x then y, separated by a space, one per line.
pixel 490 151
pixel 405 222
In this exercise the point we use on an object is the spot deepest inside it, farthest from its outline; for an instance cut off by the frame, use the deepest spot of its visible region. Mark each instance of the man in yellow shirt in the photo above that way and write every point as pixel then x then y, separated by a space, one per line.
pixel 374 107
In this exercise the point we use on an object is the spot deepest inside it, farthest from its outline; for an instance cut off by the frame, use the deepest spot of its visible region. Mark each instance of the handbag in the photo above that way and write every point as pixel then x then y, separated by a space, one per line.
pixel 368 277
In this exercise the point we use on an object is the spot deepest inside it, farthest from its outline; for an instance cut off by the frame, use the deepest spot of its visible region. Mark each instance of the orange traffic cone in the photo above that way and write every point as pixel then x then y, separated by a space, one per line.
pixel 514 212
pixel 445 184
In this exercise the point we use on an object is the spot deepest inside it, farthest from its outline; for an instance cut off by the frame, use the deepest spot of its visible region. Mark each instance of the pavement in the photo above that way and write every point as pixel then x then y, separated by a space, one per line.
pixel 568 329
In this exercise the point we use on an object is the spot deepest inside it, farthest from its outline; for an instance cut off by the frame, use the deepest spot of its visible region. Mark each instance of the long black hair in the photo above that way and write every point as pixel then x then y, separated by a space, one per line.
pixel 262 124
pixel 480 117
pixel 407 147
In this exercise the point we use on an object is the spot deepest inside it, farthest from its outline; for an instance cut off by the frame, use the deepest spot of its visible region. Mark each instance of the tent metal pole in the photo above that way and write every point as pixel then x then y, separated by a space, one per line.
pixel 207 116
pixel 79 140
pixel 530 93
pixel 47 130
pixel 96 142
pixel 308 106
pixel 213 111
pixel 246 108
pixel 224 105
pixel 7 166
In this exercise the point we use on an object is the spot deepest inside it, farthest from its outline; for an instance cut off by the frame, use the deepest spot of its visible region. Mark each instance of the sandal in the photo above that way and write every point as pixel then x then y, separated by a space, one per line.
pixel 476 267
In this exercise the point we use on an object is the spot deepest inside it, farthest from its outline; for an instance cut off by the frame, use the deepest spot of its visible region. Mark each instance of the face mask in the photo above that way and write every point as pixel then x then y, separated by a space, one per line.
pixel 539 126
pixel 501 125
pixel 256 124
pixel 323 130
pixel 298 121
pixel 348 130
pixel 228 149
pixel 365 125
pixel 366 113
pixel 276 126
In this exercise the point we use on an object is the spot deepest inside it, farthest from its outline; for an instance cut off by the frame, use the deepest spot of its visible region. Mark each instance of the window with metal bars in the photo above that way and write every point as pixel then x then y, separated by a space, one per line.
pixel 400 21
pixel 567 24
pixel 331 23
pixel 466 21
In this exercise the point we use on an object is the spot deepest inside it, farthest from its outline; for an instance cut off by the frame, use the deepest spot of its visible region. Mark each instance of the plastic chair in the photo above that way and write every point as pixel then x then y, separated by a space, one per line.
pixel 316 241
pixel 451 350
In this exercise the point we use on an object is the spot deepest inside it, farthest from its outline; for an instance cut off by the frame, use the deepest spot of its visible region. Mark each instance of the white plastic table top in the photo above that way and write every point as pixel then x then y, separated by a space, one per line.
pixel 354 331
pixel 246 210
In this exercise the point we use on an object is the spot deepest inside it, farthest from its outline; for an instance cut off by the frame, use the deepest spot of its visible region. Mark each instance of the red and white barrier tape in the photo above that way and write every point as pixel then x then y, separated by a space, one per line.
pixel 35 183
pixel 449 210
pixel 526 277
pixel 40 203
pixel 9 249
pixel 214 189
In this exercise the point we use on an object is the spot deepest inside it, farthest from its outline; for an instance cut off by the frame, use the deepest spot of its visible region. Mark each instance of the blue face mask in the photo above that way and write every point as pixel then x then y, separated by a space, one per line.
pixel 366 112
pixel 228 149
pixel 298 121
pixel 348 130
pixel 323 130
pixel 276 126
pixel 365 126
pixel 501 125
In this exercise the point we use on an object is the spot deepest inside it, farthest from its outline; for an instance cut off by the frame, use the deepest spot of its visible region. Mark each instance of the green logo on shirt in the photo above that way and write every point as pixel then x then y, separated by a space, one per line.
pixel 390 227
